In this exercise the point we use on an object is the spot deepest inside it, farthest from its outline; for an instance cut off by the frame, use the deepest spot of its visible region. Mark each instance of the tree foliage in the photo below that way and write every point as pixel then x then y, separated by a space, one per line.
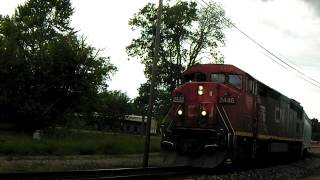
pixel 45 67
pixel 114 105
pixel 161 101
pixel 189 35
pixel 102 111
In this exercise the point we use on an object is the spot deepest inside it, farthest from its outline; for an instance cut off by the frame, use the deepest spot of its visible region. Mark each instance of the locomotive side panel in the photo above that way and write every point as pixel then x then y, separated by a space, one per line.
pixel 278 115
pixel 271 121
pixel 284 119
pixel 243 120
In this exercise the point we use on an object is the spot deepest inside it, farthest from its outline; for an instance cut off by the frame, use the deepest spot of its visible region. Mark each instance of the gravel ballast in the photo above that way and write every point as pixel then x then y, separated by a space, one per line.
pixel 295 170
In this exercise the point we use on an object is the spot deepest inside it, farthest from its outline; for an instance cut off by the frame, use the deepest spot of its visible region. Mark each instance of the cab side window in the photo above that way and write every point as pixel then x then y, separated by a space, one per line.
pixel 251 86
pixel 235 80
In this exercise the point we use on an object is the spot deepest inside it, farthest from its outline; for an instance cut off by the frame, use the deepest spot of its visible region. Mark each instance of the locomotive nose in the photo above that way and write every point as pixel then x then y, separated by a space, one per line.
pixel 194 92
pixel 194 105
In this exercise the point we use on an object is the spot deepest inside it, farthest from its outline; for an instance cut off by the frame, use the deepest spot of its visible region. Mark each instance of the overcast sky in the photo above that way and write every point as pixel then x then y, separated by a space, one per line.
pixel 288 28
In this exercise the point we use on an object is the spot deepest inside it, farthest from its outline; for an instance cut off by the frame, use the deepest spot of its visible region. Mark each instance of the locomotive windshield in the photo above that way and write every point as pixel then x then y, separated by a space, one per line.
pixel 195 77
pixel 232 79
pixel 218 78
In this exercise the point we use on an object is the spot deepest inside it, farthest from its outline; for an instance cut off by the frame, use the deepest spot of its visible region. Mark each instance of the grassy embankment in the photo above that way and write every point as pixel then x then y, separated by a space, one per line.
pixel 74 150
pixel 74 143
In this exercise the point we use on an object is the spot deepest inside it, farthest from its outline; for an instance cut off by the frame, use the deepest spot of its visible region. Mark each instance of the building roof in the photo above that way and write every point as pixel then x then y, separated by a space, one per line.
pixel 136 118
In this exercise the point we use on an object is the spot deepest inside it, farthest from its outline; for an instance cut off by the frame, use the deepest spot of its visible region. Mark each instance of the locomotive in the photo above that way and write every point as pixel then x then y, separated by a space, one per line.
pixel 221 113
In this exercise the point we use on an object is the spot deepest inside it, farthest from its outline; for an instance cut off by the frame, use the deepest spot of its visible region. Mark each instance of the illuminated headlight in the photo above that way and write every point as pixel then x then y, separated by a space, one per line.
pixel 180 112
pixel 203 112
pixel 200 90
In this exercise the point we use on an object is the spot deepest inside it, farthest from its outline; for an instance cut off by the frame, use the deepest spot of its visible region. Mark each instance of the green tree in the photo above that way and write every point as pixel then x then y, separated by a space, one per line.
pixel 103 110
pixel 45 67
pixel 161 104
pixel 114 105
pixel 141 101
pixel 188 36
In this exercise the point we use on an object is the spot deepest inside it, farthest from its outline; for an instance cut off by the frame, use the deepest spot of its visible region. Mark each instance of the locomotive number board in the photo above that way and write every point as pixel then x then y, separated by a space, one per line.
pixel 227 100
pixel 178 99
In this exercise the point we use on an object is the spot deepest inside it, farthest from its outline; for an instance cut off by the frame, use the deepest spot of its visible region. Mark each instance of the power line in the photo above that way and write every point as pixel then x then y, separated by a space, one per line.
pixel 272 54
pixel 298 67
pixel 270 57
pixel 304 76
pixel 200 3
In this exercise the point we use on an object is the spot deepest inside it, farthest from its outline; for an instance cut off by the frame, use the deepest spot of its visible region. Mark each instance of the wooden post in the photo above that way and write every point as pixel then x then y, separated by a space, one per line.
pixel 152 85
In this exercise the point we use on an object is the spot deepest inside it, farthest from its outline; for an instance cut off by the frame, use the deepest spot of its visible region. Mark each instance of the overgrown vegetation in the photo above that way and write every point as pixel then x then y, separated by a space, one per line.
pixel 74 143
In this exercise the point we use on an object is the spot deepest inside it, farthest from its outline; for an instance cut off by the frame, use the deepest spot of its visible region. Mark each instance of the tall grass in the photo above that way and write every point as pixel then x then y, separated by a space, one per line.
pixel 74 143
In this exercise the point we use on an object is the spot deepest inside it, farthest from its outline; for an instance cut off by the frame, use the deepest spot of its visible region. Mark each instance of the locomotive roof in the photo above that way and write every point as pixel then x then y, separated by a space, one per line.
pixel 211 68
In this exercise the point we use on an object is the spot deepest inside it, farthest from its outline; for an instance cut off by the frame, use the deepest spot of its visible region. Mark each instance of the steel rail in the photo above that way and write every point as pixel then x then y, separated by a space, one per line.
pixel 121 173
pixel 151 172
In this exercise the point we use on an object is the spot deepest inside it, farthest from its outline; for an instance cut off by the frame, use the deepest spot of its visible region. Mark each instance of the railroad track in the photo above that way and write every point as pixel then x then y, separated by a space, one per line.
pixel 146 173
pixel 99 174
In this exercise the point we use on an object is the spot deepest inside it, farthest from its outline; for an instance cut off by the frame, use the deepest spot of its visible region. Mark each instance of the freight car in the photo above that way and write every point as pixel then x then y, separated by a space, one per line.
pixel 221 112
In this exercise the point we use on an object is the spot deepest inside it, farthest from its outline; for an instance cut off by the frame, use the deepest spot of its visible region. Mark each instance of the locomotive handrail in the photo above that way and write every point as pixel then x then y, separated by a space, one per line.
pixel 230 132
pixel 233 132
pixel 225 124
pixel 171 120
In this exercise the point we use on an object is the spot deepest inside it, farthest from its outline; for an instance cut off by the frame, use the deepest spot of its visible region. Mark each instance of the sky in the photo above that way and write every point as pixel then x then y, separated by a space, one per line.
pixel 288 28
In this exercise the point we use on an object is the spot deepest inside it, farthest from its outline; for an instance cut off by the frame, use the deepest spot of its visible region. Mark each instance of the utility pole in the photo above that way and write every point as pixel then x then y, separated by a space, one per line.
pixel 152 85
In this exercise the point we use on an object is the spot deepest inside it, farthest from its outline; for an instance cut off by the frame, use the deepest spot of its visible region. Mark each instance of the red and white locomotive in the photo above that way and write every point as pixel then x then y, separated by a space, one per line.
pixel 222 112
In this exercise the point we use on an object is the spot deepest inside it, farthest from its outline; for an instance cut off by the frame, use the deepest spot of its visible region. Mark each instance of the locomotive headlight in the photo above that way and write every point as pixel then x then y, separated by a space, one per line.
pixel 200 90
pixel 203 112
pixel 180 112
